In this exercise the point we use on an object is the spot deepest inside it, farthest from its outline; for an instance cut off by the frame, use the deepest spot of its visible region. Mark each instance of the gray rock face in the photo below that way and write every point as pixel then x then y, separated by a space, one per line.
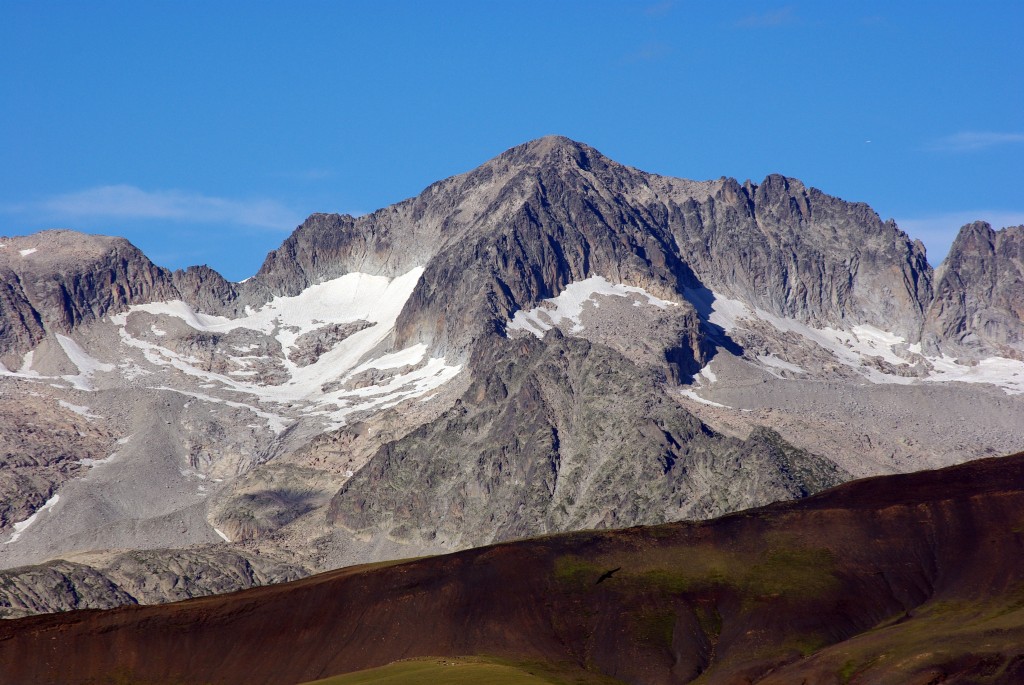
pixel 57 586
pixel 544 214
pixel 203 288
pixel 56 281
pixel 516 230
pixel 153 577
pixel 559 435
pixel 21 327
pixel 979 296
pixel 67 279
pixel 42 445
pixel 796 252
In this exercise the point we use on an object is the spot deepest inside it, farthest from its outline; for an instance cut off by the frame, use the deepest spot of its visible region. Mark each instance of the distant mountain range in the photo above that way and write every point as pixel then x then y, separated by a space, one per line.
pixel 550 342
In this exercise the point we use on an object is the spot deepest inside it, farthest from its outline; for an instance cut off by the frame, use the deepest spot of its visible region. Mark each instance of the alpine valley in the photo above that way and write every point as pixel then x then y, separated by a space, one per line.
pixel 552 342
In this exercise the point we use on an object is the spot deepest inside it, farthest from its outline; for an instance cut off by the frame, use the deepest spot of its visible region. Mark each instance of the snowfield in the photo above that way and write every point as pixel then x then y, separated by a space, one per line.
pixel 568 305
pixel 320 388
pixel 855 346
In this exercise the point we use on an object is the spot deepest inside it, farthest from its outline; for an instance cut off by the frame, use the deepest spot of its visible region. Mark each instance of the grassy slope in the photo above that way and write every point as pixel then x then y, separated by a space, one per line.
pixel 468 671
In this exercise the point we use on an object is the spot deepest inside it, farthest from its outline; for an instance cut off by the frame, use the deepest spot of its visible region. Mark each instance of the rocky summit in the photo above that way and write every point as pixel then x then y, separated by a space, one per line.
pixel 550 342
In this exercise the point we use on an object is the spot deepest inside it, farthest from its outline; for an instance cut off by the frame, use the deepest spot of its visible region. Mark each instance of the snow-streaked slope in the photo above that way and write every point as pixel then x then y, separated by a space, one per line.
pixel 352 297
pixel 87 365
pixel 1006 373
pixel 22 526
pixel 861 344
pixel 326 387
pixel 568 305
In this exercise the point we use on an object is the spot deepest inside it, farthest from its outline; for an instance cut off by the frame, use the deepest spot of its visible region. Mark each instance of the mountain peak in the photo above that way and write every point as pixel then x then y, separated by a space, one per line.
pixel 59 246
pixel 553 150
pixel 546 144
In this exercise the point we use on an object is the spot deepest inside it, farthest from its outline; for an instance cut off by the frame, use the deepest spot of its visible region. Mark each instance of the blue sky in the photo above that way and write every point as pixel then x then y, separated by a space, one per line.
pixel 205 132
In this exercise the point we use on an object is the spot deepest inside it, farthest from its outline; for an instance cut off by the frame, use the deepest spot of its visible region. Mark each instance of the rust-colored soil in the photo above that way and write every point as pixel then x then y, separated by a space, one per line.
pixel 906 579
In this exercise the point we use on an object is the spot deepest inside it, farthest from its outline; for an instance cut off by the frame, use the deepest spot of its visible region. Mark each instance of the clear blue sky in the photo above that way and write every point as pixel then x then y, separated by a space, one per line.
pixel 205 132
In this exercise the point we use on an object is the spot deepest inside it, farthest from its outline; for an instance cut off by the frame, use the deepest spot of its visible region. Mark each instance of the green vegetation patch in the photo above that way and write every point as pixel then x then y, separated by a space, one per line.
pixel 576 571
pixel 799 573
pixel 795 571
pixel 468 671
pixel 846 671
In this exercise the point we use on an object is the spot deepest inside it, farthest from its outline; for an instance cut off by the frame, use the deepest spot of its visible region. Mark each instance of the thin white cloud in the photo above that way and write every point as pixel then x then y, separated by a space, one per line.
pixel 937 231
pixel 970 141
pixel 125 201
pixel 771 19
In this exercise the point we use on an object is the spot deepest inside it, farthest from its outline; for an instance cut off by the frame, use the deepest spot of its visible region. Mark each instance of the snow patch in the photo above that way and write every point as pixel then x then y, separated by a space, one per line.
pixel 694 396
pixel 774 362
pixel 26 364
pixel 21 526
pixel 25 371
pixel 97 462
pixel 1008 374
pixel 410 356
pixel 708 374
pixel 78 409
pixel 86 364
pixel 221 533
pixel 275 422
pixel 853 347
pixel 568 305
pixel 849 347
pixel 350 298
pixel 26 252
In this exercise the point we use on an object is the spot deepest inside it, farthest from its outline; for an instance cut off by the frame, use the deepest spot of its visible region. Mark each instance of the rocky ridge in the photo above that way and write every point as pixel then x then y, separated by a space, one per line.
pixel 528 223
pixel 137 577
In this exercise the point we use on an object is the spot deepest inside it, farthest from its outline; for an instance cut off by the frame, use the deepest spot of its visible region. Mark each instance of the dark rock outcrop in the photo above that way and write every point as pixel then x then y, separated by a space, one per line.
pixel 57 586
pixel 55 281
pixel 42 445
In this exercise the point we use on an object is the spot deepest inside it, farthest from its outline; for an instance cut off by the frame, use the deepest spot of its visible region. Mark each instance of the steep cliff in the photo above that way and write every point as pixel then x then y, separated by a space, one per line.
pixel 979 294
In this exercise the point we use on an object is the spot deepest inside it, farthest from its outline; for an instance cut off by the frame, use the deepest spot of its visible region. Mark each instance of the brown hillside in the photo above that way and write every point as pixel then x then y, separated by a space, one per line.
pixel 905 579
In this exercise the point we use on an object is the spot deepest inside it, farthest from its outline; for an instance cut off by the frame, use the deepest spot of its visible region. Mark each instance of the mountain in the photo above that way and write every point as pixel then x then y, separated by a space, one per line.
pixel 979 302
pixel 907 578
pixel 58 281
pixel 549 342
